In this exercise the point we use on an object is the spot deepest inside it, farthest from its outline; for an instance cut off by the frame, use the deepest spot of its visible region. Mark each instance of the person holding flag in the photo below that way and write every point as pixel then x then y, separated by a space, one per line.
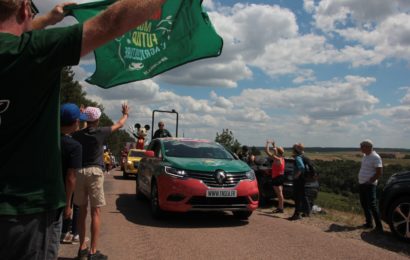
pixel 31 60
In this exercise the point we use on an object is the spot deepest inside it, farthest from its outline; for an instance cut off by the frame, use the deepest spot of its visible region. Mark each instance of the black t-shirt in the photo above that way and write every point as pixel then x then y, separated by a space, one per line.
pixel 162 133
pixel 71 154
pixel 92 140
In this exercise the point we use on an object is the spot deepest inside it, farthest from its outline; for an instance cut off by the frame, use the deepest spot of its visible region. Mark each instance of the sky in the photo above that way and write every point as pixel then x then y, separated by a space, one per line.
pixel 327 73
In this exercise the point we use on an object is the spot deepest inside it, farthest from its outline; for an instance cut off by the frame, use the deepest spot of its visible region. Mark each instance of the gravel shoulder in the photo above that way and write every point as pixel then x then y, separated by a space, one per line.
pixel 347 225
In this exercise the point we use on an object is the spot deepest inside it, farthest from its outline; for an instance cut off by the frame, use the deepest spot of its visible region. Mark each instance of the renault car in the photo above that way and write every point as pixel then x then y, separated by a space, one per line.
pixel 181 175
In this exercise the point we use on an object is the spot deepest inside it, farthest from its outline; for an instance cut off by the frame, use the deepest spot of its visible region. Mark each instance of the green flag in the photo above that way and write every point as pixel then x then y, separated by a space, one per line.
pixel 181 32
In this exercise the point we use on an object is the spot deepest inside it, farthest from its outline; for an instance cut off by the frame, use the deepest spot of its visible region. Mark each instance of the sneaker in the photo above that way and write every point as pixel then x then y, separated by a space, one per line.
pixel 278 210
pixel 66 238
pixel 97 256
pixel 76 239
pixel 379 229
pixel 295 217
pixel 83 254
pixel 366 225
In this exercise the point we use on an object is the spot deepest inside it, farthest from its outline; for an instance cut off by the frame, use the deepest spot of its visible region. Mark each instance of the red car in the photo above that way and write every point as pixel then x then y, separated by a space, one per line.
pixel 181 175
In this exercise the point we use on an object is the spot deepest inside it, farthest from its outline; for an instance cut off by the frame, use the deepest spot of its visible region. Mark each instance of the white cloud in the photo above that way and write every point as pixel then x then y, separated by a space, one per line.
pixel 406 99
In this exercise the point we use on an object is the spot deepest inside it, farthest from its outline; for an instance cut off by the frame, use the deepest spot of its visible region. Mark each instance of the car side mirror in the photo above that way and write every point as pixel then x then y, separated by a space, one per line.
pixel 149 153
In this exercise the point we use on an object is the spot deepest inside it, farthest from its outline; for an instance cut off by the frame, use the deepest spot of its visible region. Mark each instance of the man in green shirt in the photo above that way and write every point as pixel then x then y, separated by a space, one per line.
pixel 31 59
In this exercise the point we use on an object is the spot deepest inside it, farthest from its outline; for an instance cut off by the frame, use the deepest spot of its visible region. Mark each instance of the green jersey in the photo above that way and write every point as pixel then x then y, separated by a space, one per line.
pixel 30 71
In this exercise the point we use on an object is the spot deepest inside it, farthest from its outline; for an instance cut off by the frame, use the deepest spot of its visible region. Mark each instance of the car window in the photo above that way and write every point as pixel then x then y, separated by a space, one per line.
pixel 136 154
pixel 192 149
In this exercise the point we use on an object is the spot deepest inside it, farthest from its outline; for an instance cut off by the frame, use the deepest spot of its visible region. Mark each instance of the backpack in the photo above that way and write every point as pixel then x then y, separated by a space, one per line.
pixel 310 171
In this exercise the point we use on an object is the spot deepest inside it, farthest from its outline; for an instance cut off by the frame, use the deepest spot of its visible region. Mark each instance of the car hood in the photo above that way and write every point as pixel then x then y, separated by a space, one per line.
pixel 134 159
pixel 208 165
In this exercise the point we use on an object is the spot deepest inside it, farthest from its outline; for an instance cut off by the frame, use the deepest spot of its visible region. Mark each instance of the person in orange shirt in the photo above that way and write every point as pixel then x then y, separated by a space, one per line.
pixel 278 169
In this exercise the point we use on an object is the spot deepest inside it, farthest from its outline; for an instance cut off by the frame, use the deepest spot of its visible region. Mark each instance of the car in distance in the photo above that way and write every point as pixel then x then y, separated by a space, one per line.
pixel 131 164
pixel 395 204
pixel 262 167
pixel 181 175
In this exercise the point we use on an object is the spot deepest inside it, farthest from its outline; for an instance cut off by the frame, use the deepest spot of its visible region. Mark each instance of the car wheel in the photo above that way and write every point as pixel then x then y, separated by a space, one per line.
pixel 155 208
pixel 124 175
pixel 242 215
pixel 398 218
pixel 138 193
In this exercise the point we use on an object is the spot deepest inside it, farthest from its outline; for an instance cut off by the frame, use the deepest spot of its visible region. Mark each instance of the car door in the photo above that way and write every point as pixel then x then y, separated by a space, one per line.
pixel 150 165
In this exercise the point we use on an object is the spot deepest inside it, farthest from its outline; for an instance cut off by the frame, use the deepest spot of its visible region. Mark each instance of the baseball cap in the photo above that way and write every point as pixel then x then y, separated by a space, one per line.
pixel 69 113
pixel 92 113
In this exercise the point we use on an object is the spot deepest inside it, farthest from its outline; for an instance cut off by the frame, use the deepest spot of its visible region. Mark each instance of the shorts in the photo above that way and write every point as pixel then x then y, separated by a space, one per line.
pixel 33 236
pixel 90 185
pixel 278 181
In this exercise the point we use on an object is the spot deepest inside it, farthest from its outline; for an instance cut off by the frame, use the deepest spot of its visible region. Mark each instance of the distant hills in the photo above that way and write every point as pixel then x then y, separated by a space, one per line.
pixel 344 149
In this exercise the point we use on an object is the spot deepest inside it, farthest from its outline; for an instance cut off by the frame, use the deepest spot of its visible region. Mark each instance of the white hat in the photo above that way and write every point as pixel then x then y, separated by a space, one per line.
pixel 92 113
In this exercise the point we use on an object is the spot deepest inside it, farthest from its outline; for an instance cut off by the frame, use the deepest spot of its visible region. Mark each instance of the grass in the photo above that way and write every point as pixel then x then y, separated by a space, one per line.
pixel 338 202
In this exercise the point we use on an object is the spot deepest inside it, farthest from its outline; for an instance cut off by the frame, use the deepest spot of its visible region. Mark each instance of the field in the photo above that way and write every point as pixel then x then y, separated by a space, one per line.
pixel 337 183
pixel 401 156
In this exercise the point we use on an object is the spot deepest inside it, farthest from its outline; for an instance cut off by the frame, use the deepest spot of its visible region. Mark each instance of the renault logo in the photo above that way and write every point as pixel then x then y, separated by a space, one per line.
pixel 220 176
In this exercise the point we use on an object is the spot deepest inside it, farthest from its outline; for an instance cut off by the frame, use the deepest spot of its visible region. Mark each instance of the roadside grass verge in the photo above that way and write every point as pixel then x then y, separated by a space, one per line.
pixel 340 208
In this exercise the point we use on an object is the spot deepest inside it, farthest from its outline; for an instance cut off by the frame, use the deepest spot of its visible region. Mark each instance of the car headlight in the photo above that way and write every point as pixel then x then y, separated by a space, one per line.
pixel 174 172
pixel 250 175
pixel 129 162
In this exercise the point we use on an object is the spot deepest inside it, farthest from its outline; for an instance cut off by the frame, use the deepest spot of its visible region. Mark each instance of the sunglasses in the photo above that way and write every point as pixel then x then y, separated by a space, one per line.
pixel 34 9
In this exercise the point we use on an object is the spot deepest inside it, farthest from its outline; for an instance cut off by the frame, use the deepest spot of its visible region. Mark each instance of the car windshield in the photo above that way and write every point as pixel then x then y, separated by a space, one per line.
pixel 195 149
pixel 136 154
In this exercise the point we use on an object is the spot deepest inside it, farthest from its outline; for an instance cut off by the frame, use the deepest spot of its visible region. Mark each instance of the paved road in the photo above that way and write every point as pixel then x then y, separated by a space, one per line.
pixel 129 232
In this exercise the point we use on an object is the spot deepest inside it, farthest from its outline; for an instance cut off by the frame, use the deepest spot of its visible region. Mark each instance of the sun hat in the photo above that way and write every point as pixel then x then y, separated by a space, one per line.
pixel 92 113
pixel 299 147
pixel 280 150
pixel 69 113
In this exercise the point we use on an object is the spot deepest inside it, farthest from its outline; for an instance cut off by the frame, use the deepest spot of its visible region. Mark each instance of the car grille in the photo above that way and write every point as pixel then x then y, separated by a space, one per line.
pixel 231 179
pixel 136 165
pixel 213 203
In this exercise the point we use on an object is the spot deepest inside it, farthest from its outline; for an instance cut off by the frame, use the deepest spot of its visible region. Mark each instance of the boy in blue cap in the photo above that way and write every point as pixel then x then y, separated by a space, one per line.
pixel 71 157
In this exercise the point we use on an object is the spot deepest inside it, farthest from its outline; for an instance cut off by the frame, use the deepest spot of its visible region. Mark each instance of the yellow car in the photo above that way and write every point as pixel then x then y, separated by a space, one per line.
pixel 133 159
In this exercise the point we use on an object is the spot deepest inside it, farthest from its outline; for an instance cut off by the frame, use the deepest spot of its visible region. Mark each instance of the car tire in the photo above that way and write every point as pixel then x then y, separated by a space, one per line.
pixel 124 175
pixel 397 220
pixel 138 193
pixel 242 215
pixel 155 208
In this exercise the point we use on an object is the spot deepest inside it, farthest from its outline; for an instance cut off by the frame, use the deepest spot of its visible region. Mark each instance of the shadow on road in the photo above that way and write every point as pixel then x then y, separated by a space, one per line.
pixel 121 178
pixel 341 228
pixel 386 240
pixel 139 213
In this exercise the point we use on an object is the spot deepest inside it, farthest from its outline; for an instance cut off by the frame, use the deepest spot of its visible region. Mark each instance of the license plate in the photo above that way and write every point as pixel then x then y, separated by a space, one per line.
pixel 221 193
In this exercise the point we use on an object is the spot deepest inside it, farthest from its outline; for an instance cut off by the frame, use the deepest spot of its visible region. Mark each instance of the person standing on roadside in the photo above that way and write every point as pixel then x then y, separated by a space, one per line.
pixel 370 171
pixel 90 180
pixel 31 60
pixel 161 132
pixel 302 207
pixel 278 169
pixel 71 154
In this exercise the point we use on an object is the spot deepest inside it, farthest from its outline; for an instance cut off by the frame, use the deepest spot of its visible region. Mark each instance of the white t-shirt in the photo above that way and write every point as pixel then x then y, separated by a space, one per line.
pixel 368 168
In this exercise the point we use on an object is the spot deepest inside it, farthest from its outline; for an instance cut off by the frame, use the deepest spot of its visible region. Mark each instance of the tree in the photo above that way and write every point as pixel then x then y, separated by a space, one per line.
pixel 72 92
pixel 227 139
